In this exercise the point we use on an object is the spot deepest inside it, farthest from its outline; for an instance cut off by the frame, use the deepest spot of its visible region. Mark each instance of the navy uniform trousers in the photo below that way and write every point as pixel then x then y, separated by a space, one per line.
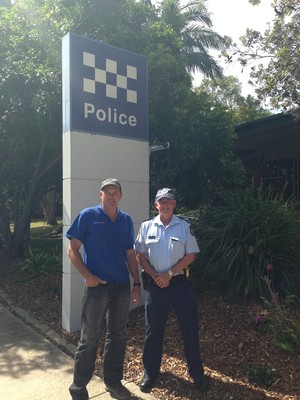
pixel 158 301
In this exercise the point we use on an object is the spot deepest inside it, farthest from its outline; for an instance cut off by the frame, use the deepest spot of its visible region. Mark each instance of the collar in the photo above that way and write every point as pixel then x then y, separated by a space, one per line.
pixel 104 212
pixel 174 220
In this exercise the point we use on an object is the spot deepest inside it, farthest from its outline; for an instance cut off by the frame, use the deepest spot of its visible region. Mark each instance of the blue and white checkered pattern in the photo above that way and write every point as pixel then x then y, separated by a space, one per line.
pixel 89 85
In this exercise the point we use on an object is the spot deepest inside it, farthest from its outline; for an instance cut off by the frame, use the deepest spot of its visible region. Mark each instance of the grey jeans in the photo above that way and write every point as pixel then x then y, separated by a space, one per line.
pixel 108 302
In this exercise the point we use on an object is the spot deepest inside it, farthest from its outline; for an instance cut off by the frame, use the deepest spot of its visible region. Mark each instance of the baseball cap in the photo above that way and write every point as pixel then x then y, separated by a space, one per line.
pixel 165 193
pixel 111 181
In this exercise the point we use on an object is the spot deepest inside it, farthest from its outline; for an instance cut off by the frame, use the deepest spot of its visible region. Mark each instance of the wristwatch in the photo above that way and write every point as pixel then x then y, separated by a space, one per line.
pixel 170 273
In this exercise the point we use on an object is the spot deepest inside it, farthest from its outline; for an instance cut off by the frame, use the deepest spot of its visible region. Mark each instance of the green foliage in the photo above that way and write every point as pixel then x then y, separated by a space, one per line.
pixel 43 250
pixel 274 56
pixel 227 90
pixel 30 127
pixel 192 24
pixel 286 338
pixel 261 375
pixel 283 320
pixel 48 244
pixel 44 238
pixel 239 237
pixel 30 83
pixel 45 262
pixel 200 157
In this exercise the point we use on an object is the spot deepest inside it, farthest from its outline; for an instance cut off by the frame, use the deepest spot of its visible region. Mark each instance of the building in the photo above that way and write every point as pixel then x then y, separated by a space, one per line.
pixel 269 148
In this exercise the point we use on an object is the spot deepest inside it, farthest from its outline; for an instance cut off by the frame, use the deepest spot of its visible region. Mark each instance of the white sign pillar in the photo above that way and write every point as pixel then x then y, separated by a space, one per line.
pixel 104 136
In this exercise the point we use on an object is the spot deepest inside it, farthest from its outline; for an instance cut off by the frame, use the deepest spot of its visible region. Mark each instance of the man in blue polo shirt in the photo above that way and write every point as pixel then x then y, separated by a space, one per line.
pixel 107 236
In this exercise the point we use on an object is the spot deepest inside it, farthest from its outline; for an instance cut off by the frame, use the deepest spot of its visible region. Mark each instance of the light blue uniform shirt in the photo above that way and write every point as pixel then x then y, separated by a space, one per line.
pixel 165 246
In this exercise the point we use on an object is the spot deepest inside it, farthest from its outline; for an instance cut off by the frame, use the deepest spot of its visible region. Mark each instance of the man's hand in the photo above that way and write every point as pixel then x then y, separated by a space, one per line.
pixel 136 295
pixel 162 280
pixel 93 281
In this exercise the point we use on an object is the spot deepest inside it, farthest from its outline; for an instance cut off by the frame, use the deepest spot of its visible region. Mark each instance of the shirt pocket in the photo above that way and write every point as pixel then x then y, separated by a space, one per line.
pixel 153 249
pixel 177 248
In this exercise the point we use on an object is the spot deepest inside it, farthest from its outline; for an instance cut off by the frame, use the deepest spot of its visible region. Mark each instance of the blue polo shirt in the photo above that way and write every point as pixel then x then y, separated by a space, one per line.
pixel 105 242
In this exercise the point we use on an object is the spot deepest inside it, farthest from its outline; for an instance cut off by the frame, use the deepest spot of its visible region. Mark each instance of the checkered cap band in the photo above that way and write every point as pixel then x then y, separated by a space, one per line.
pixel 165 193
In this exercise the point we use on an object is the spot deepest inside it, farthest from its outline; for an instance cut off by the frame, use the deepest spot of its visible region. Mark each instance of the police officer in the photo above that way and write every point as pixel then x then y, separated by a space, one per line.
pixel 165 247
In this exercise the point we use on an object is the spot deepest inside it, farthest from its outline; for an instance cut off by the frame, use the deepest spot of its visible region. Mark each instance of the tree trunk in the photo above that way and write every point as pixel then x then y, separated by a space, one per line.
pixel 16 248
pixel 48 204
pixel 4 224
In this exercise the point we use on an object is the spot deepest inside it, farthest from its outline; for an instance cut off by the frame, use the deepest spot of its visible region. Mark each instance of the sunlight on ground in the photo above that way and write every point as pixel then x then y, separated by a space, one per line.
pixel 227 379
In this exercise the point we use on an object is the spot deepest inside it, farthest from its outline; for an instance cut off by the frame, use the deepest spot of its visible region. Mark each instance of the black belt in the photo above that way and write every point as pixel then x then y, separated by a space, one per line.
pixel 175 280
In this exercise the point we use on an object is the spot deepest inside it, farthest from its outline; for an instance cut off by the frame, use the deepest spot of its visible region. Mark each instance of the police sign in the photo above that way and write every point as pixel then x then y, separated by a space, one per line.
pixel 104 89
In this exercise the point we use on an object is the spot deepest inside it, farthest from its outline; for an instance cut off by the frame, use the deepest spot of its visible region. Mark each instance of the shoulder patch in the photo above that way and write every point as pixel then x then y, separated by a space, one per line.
pixel 189 222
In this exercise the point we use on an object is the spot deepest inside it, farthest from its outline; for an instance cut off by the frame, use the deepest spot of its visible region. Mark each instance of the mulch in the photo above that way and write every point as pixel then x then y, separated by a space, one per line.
pixel 240 359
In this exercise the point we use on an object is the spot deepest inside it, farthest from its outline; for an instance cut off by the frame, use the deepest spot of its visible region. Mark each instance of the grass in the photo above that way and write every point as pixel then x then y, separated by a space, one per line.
pixel 43 250
pixel 42 236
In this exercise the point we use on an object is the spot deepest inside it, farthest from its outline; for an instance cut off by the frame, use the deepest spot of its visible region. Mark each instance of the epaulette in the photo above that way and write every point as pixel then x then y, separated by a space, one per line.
pixel 183 217
pixel 148 219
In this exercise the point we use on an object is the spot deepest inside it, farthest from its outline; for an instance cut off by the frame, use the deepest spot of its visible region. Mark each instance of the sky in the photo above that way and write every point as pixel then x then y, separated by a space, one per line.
pixel 232 18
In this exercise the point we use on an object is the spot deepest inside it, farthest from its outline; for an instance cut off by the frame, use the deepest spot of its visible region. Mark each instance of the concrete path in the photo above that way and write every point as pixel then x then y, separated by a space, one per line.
pixel 33 368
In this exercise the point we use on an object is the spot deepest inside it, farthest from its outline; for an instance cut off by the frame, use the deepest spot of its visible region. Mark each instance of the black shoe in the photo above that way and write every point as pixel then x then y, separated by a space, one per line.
pixel 202 384
pixel 118 391
pixel 147 383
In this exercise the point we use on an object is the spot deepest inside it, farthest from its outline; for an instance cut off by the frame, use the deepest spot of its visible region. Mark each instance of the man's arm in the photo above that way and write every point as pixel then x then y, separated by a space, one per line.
pixel 178 267
pixel 164 277
pixel 134 272
pixel 75 256
pixel 183 263
pixel 145 264
pixel 150 270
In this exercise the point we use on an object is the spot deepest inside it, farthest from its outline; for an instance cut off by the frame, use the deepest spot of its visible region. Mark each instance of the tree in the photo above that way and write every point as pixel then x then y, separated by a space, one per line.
pixel 278 80
pixel 200 163
pixel 227 90
pixel 30 87
pixel 48 205
pixel 192 24
pixel 30 100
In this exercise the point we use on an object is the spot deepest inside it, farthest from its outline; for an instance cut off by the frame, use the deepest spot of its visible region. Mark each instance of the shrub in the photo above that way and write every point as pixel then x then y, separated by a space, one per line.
pixel 37 263
pixel 283 317
pixel 240 236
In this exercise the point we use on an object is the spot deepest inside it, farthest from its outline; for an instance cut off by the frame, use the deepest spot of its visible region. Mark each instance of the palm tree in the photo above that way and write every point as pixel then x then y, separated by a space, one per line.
pixel 192 23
